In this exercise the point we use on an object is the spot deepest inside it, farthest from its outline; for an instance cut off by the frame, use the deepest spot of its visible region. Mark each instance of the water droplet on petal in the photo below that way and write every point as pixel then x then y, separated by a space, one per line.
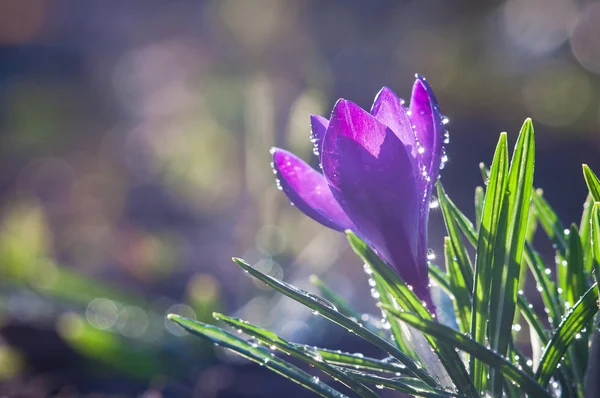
pixel 430 255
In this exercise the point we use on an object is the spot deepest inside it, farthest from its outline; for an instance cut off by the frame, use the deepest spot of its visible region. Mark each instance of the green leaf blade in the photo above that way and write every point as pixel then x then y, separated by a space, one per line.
pixel 592 182
pixel 581 315
pixel 462 342
pixel 302 352
pixel 408 300
pixel 456 240
pixel 256 354
pixel 485 254
pixel 595 236
pixel 331 313
pixel 460 288
pixel 507 263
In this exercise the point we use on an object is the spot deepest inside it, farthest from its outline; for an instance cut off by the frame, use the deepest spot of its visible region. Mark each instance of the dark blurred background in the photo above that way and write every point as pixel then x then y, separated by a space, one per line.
pixel 134 163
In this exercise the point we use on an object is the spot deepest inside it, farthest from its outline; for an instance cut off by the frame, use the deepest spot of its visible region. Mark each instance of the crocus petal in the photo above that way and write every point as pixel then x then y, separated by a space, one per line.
pixel 426 118
pixel 318 127
pixel 389 110
pixel 308 191
pixel 370 174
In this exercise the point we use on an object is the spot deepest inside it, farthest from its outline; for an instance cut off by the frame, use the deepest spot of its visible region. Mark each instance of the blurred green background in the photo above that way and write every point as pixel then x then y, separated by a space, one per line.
pixel 134 164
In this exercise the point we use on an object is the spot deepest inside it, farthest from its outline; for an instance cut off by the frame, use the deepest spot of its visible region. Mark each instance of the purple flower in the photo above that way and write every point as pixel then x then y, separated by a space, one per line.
pixel 378 172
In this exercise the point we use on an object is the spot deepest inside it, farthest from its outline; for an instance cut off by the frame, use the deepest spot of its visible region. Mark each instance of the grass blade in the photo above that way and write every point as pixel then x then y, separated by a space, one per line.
pixel 576 283
pixel 359 361
pixel 342 305
pixel 581 315
pixel 302 352
pixel 463 222
pixel 592 182
pixel 595 232
pixel 592 382
pixel 535 323
pixel 461 292
pixel 585 233
pixel 328 311
pixel 462 342
pixel 545 284
pixel 256 354
pixel 479 198
pixel 408 385
pixel 456 240
pixel 575 287
pixel 399 333
pixel 507 267
pixel 549 221
pixel 407 299
pixel 328 294
pixel 486 245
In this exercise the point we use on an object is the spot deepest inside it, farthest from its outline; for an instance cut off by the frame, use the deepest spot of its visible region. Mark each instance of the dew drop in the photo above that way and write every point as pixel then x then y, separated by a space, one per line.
pixel 434 203
pixel 430 255
pixel 443 160
pixel 322 301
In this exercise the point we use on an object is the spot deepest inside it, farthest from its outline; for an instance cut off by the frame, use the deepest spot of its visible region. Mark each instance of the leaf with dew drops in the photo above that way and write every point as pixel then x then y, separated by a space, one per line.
pixel 304 353
pixel 458 246
pixel 525 308
pixel 400 335
pixel 409 301
pixel 595 235
pixel 577 318
pixel 331 313
pixel 592 182
pixel 408 385
pixel 492 221
pixel 576 285
pixel 360 361
pixel 546 285
pixel 460 288
pixel 256 354
pixel 484 354
pixel 342 305
pixel 512 235
pixel 479 197
pixel 549 221
pixel 585 232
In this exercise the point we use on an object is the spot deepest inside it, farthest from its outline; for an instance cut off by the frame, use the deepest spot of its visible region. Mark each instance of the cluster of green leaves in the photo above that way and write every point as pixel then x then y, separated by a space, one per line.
pixel 482 354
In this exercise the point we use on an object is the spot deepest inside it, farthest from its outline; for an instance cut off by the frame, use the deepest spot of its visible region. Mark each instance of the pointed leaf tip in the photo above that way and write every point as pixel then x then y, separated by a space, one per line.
pixel 174 317
pixel 592 182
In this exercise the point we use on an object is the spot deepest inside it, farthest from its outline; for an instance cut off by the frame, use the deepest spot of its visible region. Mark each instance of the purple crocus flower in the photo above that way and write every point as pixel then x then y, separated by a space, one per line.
pixel 379 168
